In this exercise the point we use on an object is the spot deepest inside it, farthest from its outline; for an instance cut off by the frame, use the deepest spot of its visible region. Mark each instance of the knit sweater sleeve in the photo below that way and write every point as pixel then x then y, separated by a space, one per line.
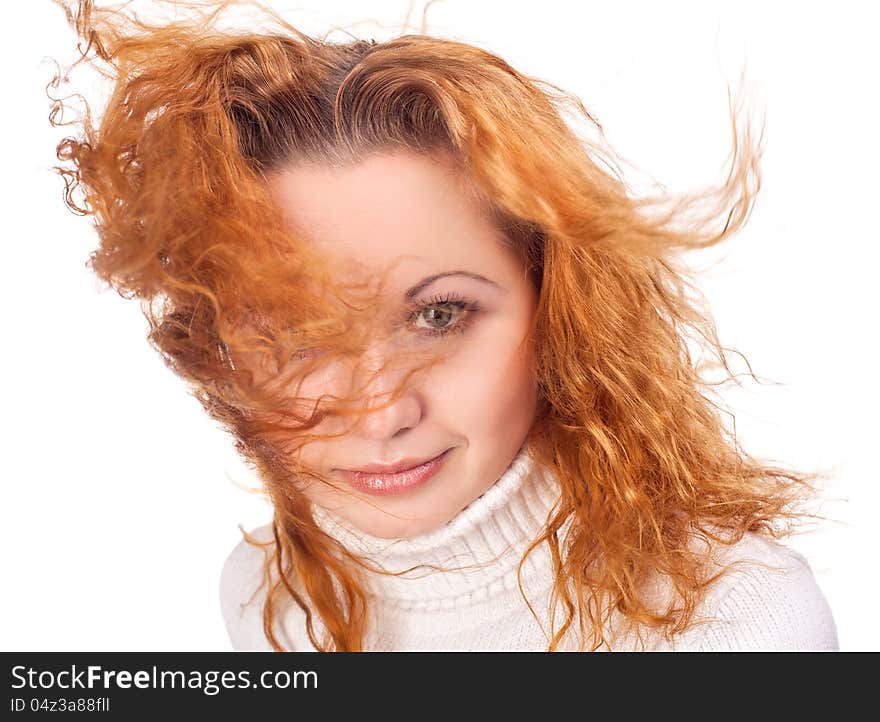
pixel 775 605
pixel 242 594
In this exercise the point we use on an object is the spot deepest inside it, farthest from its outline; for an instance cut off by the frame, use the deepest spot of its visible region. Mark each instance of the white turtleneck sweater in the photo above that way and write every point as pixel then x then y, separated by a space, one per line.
pixel 769 602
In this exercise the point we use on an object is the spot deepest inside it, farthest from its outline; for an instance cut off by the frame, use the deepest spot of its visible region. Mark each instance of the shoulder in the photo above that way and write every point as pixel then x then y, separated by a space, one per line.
pixel 769 600
pixel 243 591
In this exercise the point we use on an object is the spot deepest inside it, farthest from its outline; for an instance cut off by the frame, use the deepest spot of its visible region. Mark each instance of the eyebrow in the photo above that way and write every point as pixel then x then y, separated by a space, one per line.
pixel 425 282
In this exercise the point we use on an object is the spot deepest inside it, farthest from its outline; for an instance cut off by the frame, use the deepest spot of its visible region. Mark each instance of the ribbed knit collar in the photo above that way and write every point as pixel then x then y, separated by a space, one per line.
pixel 487 539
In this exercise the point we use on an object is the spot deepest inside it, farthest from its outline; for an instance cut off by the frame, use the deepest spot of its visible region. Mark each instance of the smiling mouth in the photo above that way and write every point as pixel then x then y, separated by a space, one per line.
pixel 385 482
pixel 402 465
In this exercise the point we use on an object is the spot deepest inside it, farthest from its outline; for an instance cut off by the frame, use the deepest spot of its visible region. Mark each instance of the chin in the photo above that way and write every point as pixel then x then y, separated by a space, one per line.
pixel 406 529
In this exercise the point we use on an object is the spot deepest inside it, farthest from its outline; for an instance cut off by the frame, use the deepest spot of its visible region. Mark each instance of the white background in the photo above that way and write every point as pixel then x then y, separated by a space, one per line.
pixel 119 496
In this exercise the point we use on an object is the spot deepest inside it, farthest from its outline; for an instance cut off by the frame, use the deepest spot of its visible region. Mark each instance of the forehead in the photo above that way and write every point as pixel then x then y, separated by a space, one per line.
pixel 392 208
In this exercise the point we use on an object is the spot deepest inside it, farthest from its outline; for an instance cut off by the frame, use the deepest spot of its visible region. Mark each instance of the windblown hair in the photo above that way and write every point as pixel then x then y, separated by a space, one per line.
pixel 175 174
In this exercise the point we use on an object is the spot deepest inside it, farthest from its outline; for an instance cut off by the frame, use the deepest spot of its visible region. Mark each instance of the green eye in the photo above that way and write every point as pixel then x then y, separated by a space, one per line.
pixel 444 314
pixel 438 317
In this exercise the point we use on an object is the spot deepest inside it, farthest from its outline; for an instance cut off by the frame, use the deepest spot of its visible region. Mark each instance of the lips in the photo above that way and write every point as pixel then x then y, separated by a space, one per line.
pixel 395 482
pixel 402 465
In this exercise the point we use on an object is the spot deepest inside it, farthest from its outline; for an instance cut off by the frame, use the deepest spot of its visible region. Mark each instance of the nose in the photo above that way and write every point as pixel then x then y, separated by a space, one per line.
pixel 380 375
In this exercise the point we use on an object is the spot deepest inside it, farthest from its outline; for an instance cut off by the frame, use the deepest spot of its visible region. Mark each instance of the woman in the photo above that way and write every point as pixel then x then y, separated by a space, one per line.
pixel 453 346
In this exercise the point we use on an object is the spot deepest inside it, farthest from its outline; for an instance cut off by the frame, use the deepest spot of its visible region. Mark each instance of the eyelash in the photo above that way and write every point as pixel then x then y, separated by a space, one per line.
pixel 462 320
pixel 461 323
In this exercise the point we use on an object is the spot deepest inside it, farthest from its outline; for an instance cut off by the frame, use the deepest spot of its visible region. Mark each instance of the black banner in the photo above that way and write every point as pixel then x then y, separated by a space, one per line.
pixel 151 685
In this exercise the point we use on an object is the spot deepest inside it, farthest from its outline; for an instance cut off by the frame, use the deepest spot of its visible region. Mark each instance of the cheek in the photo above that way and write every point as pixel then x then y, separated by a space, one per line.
pixel 488 387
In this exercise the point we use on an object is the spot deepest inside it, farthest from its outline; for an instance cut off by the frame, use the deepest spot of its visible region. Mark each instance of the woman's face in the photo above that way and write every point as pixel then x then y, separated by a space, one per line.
pixel 404 215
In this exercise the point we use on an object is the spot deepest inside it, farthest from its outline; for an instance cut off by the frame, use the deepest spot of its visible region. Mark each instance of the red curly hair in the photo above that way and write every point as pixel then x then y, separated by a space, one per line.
pixel 174 174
